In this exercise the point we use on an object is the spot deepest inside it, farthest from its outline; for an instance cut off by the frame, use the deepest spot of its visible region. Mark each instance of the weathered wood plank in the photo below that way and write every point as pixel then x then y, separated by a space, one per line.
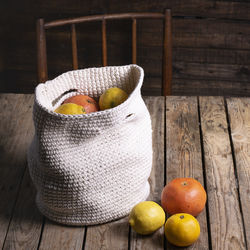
pixel 195 33
pixel 211 33
pixel 219 9
pixel 61 237
pixel 16 129
pixel 113 235
pixel 212 56
pixel 26 224
pixel 209 87
pixel 224 211
pixel 203 49
pixel 156 107
pixel 239 116
pixel 183 150
pixel 237 73
pixel 197 55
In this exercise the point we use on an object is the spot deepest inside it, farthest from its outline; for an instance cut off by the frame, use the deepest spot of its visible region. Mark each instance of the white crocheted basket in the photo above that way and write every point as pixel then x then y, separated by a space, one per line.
pixel 91 168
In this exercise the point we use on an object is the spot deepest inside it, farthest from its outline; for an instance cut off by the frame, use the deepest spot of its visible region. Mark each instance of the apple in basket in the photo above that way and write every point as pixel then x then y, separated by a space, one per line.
pixel 88 103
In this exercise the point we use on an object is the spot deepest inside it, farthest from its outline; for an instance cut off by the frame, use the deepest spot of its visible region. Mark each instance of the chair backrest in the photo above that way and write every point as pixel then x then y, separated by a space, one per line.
pixel 167 41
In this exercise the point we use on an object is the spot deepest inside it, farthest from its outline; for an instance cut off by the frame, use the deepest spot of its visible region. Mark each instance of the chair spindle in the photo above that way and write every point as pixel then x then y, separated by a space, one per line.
pixel 42 52
pixel 74 46
pixel 104 43
pixel 134 41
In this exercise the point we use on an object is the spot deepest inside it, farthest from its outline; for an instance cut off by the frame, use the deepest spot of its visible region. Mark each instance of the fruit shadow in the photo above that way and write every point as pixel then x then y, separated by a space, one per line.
pixel 156 239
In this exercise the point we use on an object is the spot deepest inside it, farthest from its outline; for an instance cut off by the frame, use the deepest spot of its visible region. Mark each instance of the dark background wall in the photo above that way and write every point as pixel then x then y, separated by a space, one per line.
pixel 211 43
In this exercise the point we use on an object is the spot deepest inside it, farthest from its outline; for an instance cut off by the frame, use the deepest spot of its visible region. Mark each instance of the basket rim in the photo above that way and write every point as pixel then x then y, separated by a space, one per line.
pixel 106 112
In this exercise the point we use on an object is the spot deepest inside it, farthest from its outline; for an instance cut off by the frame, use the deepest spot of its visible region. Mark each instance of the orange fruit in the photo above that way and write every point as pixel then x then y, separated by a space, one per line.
pixel 182 229
pixel 88 103
pixel 112 97
pixel 183 195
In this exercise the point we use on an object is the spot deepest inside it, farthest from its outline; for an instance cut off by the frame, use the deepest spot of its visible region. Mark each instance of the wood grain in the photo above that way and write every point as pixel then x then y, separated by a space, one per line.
pixel 204 48
pixel 61 237
pixel 113 235
pixel 211 33
pixel 21 223
pixel 206 87
pixel 26 224
pixel 183 150
pixel 156 107
pixel 16 129
pixel 237 73
pixel 224 210
pixel 167 68
pixel 221 9
pixel 239 116
pixel 208 55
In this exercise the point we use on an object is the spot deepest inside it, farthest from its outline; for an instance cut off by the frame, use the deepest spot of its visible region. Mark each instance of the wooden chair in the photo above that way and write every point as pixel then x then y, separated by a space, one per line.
pixel 167 43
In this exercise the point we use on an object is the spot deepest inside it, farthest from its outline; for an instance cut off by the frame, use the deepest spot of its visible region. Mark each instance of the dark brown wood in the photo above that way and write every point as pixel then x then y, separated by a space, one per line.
pixel 104 43
pixel 211 33
pixel 203 24
pixel 167 55
pixel 211 56
pixel 102 17
pixel 134 41
pixel 208 87
pixel 41 51
pixel 74 46
pixel 235 73
pixel 228 9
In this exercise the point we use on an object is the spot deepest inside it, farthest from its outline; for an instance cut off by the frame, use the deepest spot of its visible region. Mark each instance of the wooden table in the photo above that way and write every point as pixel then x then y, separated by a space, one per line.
pixel 207 138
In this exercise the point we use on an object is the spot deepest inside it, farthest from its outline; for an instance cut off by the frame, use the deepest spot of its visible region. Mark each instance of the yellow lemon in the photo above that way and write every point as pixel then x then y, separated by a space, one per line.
pixel 112 97
pixel 70 109
pixel 146 217
pixel 182 229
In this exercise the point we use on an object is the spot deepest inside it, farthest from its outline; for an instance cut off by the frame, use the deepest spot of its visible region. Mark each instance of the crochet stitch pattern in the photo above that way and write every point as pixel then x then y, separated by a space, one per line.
pixel 91 168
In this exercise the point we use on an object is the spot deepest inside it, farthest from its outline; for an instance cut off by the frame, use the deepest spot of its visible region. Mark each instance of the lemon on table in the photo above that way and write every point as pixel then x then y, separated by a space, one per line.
pixel 112 97
pixel 146 217
pixel 70 109
pixel 182 229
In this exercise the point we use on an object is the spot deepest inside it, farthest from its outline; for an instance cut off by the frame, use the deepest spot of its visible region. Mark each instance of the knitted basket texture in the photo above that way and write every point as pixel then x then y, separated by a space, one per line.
pixel 91 168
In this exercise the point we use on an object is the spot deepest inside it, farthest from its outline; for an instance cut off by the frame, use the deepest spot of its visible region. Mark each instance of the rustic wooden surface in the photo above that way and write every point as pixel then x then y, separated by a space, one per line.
pixel 206 138
pixel 211 43
pixel 223 203
pixel 183 149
